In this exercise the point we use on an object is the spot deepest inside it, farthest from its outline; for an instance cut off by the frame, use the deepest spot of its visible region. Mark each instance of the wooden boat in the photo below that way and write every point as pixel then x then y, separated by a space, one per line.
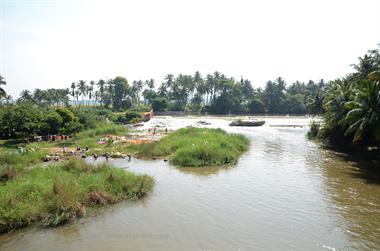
pixel 247 123
pixel 202 122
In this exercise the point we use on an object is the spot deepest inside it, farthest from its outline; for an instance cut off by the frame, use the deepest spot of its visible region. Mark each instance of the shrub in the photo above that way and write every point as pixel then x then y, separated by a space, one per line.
pixel 129 115
pixel 314 129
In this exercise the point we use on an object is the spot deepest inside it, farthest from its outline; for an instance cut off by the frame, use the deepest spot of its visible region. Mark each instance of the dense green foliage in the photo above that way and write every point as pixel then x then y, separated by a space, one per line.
pixel 61 192
pixel 129 117
pixel 198 147
pixel 23 120
pixel 352 104
pixel 215 94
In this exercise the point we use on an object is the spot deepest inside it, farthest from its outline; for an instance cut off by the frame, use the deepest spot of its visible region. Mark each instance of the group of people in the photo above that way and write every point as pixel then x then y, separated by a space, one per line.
pixel 155 130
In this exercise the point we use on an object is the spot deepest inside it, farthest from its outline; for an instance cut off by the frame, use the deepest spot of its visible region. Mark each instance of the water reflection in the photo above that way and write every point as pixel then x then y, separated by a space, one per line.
pixel 203 171
pixel 353 185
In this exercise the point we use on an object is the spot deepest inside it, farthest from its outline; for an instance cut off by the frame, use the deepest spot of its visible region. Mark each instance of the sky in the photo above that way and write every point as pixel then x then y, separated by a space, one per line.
pixel 52 43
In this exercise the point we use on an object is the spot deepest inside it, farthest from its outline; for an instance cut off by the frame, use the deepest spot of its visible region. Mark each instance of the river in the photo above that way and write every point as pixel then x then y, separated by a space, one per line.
pixel 285 193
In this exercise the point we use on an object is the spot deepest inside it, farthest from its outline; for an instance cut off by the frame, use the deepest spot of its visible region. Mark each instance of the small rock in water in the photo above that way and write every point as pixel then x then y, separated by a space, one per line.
pixel 165 160
pixel 154 157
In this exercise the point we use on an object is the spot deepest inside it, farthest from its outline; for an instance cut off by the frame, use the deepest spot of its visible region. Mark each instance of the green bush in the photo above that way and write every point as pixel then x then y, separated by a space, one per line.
pixel 129 115
pixel 140 108
pixel 315 127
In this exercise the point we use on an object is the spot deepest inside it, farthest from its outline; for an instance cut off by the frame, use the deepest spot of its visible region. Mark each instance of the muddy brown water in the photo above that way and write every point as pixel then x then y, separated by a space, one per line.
pixel 285 193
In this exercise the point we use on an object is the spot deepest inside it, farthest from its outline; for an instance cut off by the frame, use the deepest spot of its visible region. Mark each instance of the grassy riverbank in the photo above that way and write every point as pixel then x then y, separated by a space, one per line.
pixel 87 138
pixel 193 147
pixel 62 192
pixel 196 147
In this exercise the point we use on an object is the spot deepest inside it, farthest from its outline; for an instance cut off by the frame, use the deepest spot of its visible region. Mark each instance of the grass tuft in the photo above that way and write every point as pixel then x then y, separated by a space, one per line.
pixel 196 147
pixel 61 192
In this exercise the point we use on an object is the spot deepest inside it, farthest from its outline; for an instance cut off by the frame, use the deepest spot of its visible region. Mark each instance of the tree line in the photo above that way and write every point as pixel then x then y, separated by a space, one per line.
pixel 214 94
pixel 352 104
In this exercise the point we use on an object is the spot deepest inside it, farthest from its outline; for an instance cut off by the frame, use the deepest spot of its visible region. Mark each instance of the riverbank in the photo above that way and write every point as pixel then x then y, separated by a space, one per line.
pixel 61 192
pixel 185 147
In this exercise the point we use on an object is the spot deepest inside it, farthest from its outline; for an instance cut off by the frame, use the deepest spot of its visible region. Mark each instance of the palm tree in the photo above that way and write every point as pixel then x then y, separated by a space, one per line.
pixel 335 100
pixel 136 90
pixel 109 94
pixel 90 90
pixel 363 118
pixel 363 68
pixel 8 99
pixel 39 96
pixel 210 84
pixel 82 87
pixel 73 86
pixel 169 79
pixel 3 94
pixel 25 96
pixel 101 84
pixel 150 83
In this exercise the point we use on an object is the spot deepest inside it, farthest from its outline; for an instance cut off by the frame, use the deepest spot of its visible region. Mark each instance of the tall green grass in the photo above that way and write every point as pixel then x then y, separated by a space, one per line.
pixel 62 192
pixel 89 138
pixel 13 163
pixel 198 147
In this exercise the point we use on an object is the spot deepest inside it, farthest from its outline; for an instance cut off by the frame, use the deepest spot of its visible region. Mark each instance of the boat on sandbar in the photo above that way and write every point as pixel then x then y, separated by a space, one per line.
pixel 247 123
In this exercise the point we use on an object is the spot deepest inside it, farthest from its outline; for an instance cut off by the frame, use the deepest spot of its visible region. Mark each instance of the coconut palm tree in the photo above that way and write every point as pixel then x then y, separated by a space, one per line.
pixel 90 90
pixel 363 68
pixel 151 84
pixel 339 93
pixel 82 87
pixel 3 94
pixel 363 118
pixel 101 85
pixel 25 96
pixel 73 87
pixel 136 90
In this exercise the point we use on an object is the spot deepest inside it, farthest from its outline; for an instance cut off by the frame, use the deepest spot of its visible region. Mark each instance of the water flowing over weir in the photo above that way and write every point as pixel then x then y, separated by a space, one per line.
pixel 285 193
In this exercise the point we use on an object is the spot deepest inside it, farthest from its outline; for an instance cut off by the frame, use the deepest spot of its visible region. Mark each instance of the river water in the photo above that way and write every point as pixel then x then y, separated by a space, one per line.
pixel 285 193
